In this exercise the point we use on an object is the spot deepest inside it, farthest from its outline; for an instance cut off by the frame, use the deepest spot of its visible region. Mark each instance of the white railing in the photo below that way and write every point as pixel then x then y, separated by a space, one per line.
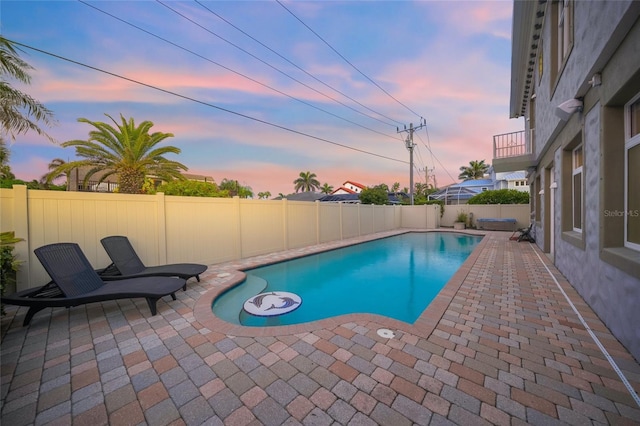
pixel 512 144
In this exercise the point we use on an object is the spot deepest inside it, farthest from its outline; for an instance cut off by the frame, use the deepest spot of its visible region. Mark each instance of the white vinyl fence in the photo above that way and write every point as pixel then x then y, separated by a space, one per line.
pixel 169 229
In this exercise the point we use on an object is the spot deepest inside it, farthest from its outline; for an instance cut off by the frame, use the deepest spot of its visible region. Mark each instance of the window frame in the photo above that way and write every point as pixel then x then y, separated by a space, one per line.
pixel 575 171
pixel 631 141
pixel 565 30
pixel 562 37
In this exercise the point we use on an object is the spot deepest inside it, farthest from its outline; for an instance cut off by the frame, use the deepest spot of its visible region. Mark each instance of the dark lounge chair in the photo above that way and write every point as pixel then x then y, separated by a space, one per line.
pixel 74 282
pixel 523 234
pixel 127 263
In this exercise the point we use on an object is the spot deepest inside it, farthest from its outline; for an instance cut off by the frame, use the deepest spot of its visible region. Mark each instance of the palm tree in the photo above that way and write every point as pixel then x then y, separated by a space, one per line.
pixel 420 189
pixel 19 112
pixel 235 189
pixel 126 151
pixel 306 182
pixel 326 189
pixel 53 166
pixel 5 168
pixel 475 170
pixel 264 195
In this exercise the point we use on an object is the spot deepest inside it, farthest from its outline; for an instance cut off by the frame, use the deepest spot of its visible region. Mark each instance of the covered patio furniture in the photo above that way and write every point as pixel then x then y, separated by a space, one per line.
pixel 127 263
pixel 74 282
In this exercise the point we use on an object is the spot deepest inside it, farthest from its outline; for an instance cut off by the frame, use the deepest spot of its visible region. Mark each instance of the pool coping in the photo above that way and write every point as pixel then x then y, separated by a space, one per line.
pixel 423 326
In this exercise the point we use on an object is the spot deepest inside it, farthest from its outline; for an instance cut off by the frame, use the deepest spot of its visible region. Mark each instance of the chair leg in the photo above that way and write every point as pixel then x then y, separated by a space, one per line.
pixel 198 278
pixel 152 305
pixel 30 313
pixel 173 296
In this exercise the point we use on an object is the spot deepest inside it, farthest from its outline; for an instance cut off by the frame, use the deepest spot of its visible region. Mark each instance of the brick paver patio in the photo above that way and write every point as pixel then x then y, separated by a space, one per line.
pixel 500 345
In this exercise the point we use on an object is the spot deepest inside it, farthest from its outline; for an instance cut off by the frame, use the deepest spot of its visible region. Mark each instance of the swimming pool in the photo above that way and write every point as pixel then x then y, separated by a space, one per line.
pixel 396 277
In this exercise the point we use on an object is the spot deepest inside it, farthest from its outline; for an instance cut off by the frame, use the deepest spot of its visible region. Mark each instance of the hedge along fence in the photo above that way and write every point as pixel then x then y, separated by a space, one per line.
pixel 171 229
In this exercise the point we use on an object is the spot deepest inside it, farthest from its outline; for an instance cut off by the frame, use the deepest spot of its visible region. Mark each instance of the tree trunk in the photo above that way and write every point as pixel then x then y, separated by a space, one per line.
pixel 131 181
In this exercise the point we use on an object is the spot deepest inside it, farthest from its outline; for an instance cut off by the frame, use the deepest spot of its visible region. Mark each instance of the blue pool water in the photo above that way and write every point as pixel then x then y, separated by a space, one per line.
pixel 396 277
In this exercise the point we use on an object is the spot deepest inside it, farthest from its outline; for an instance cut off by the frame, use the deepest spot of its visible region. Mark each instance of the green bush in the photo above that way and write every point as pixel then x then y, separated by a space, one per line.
pixel 500 196
pixel 8 263
pixel 191 188
pixel 376 195
pixel 34 184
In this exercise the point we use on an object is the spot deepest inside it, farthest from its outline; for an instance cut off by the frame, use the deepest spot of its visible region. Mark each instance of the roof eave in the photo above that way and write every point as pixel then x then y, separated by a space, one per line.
pixel 528 17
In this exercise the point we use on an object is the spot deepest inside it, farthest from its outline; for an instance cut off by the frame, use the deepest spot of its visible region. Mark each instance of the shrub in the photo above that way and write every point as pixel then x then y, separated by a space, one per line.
pixel 191 188
pixel 462 217
pixel 375 195
pixel 8 263
pixel 500 196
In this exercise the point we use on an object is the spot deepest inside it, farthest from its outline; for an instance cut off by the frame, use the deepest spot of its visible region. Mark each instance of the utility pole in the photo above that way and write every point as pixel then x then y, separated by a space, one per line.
pixel 428 177
pixel 410 145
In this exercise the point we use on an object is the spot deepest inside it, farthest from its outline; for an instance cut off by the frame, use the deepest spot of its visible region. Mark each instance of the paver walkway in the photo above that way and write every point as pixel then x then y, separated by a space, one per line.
pixel 504 348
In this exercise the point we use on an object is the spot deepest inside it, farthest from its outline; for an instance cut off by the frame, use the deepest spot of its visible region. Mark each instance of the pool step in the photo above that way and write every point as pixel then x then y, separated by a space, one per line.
pixel 237 296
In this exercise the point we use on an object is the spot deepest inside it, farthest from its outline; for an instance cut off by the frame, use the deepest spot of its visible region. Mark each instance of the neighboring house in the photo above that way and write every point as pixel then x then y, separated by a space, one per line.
pixel 349 187
pixel 459 193
pixel 336 198
pixel 576 81
pixel 394 198
pixel 76 181
pixel 510 180
pixel 302 196
pixel 198 178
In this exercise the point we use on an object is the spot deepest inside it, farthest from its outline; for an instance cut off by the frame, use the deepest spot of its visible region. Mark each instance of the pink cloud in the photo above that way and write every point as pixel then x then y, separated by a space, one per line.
pixel 473 17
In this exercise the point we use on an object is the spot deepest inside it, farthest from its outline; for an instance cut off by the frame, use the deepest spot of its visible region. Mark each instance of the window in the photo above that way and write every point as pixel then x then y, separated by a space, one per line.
pixel 536 198
pixel 562 35
pixel 565 29
pixel 576 188
pixel 632 174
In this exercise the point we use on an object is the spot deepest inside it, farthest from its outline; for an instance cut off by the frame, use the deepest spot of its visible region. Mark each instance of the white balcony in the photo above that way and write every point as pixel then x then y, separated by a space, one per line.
pixel 513 151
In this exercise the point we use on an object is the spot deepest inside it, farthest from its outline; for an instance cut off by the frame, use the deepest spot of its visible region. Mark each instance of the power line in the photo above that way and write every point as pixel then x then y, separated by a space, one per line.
pixel 437 159
pixel 300 68
pixel 347 61
pixel 278 126
pixel 268 64
pixel 232 70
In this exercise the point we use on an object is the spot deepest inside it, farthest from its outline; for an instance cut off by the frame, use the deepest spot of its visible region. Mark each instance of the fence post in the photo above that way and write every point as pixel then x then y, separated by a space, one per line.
pixel 285 223
pixel 340 203
pixel 21 229
pixel 236 204
pixel 317 221
pixel 161 210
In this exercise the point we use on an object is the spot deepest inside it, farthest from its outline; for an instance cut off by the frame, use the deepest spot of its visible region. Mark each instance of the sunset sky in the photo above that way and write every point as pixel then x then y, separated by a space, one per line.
pixel 259 91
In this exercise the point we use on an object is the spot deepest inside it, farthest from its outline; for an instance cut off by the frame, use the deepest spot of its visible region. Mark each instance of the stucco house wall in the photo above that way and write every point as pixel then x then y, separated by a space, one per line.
pixel 606 41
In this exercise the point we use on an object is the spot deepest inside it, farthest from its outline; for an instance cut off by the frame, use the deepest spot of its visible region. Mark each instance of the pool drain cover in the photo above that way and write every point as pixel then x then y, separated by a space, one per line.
pixel 272 303
pixel 386 333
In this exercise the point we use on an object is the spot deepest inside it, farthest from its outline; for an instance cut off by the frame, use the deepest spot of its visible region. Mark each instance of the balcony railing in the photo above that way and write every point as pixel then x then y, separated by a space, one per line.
pixel 513 144
pixel 94 186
